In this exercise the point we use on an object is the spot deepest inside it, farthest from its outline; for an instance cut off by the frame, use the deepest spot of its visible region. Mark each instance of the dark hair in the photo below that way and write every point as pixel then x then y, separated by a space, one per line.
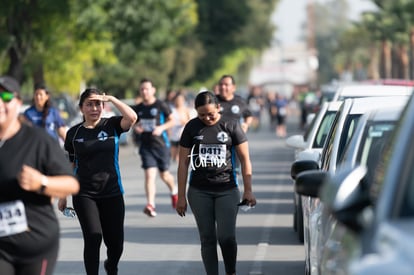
pixel 46 107
pixel 228 76
pixel 87 93
pixel 143 80
pixel 40 86
pixel 204 98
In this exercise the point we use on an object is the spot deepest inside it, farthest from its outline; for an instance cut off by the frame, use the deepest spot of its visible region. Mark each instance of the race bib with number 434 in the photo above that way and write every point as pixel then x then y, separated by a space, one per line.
pixel 12 218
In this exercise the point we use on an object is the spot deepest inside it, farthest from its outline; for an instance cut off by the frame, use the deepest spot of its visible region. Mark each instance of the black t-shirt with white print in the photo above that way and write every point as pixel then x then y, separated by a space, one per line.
pixel 236 108
pixel 31 146
pixel 212 153
pixel 151 116
pixel 95 152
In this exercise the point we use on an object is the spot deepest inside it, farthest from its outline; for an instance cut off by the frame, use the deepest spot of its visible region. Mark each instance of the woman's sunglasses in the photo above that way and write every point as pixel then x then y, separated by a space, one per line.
pixel 6 96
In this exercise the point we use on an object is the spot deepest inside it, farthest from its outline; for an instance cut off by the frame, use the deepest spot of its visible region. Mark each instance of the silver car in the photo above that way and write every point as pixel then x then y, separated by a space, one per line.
pixel 377 215
pixel 340 134
pixel 309 147
pixel 367 90
pixel 366 147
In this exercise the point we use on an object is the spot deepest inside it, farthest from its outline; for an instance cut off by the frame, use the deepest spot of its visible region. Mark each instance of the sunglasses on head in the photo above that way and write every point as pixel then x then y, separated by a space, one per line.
pixel 6 96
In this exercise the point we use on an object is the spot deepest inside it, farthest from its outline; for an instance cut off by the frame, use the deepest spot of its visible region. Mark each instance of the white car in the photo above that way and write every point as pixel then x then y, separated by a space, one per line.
pixel 366 90
pixel 309 147
pixel 366 148
pixel 344 126
pixel 378 215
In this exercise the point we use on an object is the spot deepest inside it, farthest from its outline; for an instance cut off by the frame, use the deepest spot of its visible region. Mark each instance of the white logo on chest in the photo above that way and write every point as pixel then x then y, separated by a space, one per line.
pixel 235 109
pixel 102 136
pixel 222 137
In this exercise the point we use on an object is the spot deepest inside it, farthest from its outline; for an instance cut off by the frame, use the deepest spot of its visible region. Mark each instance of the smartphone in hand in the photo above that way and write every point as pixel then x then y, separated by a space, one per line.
pixel 244 205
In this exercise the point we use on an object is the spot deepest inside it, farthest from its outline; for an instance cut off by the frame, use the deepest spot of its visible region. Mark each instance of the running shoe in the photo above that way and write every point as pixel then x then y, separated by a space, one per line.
pixel 149 210
pixel 174 199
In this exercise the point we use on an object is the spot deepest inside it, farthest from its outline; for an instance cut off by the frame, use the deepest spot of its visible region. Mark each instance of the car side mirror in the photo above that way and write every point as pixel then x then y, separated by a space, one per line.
pixel 309 183
pixel 345 196
pixel 302 165
pixel 296 141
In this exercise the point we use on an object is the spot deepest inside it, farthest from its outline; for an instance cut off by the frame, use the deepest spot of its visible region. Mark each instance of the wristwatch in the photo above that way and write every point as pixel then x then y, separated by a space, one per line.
pixel 44 181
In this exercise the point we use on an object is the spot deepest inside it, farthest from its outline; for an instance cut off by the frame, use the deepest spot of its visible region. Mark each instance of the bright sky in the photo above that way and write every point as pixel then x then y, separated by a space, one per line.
pixel 290 15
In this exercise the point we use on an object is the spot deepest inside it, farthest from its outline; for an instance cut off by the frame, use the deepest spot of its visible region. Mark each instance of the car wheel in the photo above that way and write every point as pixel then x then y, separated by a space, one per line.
pixel 299 220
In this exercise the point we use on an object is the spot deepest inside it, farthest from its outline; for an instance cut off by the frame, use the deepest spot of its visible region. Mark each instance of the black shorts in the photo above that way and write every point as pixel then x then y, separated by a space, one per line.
pixel 281 120
pixel 159 157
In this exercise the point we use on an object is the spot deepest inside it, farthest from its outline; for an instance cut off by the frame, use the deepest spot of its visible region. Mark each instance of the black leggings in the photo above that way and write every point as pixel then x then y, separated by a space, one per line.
pixel 215 214
pixel 101 218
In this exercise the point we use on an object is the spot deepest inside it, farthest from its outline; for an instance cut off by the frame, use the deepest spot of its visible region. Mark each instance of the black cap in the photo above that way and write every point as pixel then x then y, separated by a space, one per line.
pixel 10 83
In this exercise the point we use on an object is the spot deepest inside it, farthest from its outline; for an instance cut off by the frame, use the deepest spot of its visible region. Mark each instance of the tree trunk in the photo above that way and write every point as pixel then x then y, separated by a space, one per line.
pixel 374 64
pixel 15 67
pixel 404 62
pixel 395 62
pixel 38 74
pixel 385 71
pixel 411 61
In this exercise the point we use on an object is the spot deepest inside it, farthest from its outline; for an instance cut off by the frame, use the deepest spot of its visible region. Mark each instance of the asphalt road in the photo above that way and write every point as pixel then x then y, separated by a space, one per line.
pixel 169 244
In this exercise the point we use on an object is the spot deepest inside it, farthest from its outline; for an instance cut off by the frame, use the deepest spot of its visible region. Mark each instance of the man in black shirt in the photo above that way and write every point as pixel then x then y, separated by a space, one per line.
pixel 232 105
pixel 155 119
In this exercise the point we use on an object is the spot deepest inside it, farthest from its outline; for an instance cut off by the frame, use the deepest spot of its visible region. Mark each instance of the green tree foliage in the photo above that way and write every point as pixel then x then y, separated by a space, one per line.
pixel 331 21
pixel 378 42
pixel 147 37
pixel 227 26
pixel 45 42
pixel 23 24
pixel 114 43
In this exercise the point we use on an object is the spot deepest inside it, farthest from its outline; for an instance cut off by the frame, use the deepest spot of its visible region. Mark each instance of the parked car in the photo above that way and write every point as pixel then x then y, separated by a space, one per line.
pixel 366 147
pixel 377 215
pixel 309 146
pixel 327 92
pixel 341 131
pixel 366 90
pixel 392 81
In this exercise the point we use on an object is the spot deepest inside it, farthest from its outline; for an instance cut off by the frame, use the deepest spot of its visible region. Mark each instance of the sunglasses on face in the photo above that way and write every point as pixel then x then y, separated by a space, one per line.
pixel 6 96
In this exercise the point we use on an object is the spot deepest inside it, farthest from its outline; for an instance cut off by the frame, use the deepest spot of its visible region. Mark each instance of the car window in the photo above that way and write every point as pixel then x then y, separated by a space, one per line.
pixel 343 98
pixel 347 132
pixel 311 125
pixel 406 206
pixel 327 149
pixel 376 137
pixel 403 199
pixel 323 129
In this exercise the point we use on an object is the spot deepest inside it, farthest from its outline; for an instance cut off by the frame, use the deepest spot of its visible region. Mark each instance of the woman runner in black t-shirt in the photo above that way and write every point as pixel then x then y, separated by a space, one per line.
pixel 93 148
pixel 33 169
pixel 208 146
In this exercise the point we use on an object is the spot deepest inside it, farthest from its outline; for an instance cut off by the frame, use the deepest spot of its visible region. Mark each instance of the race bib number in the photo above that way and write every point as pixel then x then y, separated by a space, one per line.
pixel 12 218
pixel 282 111
pixel 148 124
pixel 213 154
